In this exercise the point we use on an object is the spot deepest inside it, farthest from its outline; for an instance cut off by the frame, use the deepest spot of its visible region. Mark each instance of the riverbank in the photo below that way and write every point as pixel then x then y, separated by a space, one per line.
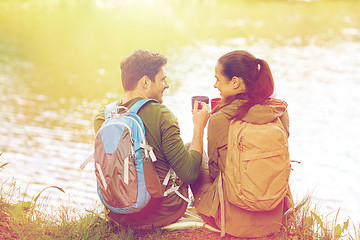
pixel 20 219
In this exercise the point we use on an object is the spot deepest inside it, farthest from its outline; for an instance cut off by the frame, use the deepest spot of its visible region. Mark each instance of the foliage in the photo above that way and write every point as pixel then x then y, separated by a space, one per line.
pixel 307 223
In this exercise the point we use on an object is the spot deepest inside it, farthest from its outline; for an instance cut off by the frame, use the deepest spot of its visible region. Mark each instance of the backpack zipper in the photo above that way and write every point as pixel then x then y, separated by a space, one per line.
pixel 241 146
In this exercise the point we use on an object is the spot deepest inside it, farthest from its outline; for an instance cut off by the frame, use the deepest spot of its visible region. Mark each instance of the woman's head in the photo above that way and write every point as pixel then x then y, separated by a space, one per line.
pixel 241 75
pixel 253 73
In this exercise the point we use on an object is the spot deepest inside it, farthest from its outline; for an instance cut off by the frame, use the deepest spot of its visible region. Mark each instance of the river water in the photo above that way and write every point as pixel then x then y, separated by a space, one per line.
pixel 320 83
pixel 45 137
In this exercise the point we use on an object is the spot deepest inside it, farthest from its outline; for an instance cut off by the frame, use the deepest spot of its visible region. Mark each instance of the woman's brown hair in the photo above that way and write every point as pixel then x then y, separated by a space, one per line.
pixel 256 75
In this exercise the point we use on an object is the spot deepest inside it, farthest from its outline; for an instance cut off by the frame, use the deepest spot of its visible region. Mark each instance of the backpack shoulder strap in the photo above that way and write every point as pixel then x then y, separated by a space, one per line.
pixel 135 108
pixel 108 109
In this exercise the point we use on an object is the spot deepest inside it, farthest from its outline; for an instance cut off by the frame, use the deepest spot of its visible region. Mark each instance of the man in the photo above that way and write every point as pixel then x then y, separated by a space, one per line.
pixel 143 76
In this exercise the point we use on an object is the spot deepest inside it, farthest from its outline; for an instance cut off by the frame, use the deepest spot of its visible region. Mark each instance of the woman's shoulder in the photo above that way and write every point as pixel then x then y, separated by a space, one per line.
pixel 219 118
pixel 227 111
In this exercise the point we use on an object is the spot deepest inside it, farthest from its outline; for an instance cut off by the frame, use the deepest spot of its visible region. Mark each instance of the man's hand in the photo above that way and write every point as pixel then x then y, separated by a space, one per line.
pixel 201 117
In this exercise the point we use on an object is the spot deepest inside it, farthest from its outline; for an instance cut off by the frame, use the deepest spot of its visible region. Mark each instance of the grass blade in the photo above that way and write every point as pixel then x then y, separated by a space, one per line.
pixel 59 188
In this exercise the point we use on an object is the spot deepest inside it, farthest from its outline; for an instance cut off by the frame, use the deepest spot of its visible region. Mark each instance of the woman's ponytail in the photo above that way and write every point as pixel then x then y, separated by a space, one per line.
pixel 260 87
pixel 263 87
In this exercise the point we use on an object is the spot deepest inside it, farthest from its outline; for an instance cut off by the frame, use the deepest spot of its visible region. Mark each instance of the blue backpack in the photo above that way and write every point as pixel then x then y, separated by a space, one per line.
pixel 124 162
pixel 125 173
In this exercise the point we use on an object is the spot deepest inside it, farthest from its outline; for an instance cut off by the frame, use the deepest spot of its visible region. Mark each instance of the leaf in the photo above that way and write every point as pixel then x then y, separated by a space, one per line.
pixel 295 238
pixel 346 224
pixel 338 231
pixel 308 222
pixel 317 218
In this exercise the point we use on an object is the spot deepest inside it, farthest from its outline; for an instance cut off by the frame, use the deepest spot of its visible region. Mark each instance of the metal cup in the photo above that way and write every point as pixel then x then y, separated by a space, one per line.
pixel 200 99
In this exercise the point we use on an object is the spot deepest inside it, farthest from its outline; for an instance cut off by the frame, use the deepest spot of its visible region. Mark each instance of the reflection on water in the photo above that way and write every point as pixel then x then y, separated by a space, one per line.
pixel 60 64
pixel 73 48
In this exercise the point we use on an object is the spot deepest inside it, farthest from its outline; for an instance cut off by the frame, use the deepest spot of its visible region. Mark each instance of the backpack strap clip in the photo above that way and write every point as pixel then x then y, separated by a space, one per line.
pixel 109 108
pixel 173 188
pixel 114 111
pixel 148 151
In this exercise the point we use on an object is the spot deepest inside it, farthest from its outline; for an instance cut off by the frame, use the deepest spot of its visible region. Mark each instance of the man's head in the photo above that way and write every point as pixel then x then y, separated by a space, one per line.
pixel 138 64
pixel 144 71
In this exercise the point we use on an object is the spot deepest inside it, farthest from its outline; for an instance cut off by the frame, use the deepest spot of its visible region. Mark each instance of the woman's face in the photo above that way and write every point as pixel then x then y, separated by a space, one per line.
pixel 223 84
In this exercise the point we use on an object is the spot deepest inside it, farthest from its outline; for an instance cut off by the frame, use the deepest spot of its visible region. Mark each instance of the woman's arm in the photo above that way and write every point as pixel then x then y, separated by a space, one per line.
pixel 218 129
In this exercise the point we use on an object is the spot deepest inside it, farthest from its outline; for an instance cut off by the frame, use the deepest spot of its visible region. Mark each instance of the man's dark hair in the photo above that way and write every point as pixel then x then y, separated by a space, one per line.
pixel 138 64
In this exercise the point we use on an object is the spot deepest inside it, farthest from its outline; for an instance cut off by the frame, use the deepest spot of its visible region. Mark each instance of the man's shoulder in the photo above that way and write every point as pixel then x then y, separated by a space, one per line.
pixel 154 106
pixel 157 111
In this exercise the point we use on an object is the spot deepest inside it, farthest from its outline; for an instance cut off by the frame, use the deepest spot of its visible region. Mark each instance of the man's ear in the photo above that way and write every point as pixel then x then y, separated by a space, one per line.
pixel 144 81
pixel 238 84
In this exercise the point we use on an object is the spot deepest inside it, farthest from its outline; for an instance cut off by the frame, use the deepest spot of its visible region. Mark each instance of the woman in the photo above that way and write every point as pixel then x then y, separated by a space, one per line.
pixel 246 85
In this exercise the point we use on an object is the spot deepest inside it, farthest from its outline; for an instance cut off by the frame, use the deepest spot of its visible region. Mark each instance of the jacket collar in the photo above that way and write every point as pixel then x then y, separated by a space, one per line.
pixel 259 113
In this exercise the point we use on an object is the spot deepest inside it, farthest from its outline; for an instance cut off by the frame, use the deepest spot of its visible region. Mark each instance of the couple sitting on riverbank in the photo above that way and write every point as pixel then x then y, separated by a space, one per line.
pixel 246 85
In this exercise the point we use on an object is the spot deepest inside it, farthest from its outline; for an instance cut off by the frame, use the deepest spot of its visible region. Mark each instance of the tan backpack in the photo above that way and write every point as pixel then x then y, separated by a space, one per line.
pixel 257 165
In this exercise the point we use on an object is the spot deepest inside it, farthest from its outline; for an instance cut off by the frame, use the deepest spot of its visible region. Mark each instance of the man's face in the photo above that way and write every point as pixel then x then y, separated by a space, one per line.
pixel 157 88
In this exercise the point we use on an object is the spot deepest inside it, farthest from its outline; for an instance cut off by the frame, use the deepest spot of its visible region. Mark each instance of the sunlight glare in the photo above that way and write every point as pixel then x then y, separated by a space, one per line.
pixel 115 3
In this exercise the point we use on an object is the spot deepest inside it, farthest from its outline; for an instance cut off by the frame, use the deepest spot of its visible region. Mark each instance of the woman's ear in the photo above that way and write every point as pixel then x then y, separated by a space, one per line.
pixel 238 84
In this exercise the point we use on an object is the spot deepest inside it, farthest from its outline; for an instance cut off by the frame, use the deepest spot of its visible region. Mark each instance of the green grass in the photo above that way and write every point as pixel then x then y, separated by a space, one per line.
pixel 20 219
pixel 307 223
